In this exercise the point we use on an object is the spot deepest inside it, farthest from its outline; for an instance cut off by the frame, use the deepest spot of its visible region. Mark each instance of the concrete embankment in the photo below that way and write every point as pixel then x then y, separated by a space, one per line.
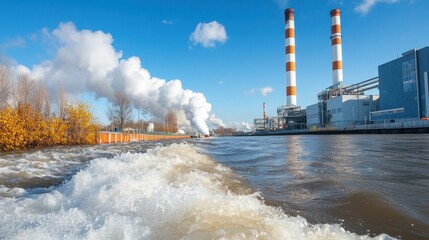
pixel 346 131
pixel 114 137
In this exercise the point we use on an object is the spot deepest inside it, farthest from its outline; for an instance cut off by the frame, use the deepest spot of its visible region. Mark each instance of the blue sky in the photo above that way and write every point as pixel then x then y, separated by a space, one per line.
pixel 231 73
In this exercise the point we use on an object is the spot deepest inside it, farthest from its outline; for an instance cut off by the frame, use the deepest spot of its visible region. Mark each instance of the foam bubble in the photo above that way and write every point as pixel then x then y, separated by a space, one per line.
pixel 170 192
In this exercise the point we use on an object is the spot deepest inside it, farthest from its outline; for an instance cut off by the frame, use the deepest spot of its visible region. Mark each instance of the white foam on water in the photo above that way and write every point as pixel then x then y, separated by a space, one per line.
pixel 170 192
pixel 37 164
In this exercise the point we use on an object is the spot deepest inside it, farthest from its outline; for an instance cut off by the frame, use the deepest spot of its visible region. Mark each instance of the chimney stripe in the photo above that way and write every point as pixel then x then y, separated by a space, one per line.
pixel 336 41
pixel 291 91
pixel 336 29
pixel 290 33
pixel 337 65
pixel 290 66
pixel 290 49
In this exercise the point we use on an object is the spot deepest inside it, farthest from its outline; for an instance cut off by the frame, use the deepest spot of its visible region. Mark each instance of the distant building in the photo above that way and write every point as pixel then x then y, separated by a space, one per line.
pixel 342 111
pixel 349 110
pixel 150 127
pixel 404 93
pixel 180 131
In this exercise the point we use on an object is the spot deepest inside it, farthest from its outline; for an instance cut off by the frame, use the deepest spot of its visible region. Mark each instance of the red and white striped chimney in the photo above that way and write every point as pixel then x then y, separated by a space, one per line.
pixel 290 57
pixel 337 53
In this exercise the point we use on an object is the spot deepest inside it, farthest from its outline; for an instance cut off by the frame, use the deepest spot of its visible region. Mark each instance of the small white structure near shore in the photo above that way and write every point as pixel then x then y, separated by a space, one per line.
pixel 150 128
pixel 180 131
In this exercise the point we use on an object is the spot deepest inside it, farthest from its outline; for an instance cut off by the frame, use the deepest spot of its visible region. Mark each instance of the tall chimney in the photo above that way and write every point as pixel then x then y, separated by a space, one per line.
pixel 290 57
pixel 265 111
pixel 337 53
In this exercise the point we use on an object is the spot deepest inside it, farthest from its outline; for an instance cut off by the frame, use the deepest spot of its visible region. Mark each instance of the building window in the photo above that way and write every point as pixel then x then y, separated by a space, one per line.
pixel 339 110
pixel 409 75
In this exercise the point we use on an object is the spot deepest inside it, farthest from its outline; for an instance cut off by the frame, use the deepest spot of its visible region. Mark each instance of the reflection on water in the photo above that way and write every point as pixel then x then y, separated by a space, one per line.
pixel 296 166
pixel 368 183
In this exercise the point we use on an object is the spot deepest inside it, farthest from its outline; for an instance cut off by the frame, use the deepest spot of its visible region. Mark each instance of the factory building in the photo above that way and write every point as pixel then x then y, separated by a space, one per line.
pixel 404 91
pixel 342 111
pixel 402 83
pixel 404 96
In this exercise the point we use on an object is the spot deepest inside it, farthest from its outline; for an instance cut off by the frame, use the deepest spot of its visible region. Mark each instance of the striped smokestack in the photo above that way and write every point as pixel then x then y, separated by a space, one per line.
pixel 337 54
pixel 290 57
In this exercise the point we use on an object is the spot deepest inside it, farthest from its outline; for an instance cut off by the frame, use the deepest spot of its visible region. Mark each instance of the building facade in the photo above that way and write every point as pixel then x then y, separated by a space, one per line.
pixel 342 111
pixel 349 110
pixel 403 86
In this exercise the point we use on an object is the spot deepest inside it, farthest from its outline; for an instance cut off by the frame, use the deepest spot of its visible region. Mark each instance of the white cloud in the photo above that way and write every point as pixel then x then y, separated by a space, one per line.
pixel 167 22
pixel 33 37
pixel 208 34
pixel 250 91
pixel 366 5
pixel 17 42
pixel 86 62
pixel 265 91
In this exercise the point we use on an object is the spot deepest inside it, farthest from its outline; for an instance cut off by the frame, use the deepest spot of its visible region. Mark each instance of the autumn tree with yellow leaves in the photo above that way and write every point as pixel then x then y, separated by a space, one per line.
pixel 24 128
pixel 26 121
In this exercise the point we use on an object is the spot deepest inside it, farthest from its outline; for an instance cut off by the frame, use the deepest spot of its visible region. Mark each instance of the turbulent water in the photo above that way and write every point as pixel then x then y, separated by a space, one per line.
pixel 280 187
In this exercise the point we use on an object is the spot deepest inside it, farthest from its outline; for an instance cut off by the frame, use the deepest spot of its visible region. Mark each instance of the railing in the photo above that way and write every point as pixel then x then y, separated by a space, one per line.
pixel 389 125
pixel 115 137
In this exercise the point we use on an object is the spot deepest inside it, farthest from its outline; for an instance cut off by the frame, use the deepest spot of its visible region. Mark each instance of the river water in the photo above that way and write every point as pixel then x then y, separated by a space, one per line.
pixel 274 187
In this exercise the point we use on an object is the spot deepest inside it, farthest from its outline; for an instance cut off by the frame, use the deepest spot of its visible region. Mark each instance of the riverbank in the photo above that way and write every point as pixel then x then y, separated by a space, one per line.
pixel 329 131
pixel 404 127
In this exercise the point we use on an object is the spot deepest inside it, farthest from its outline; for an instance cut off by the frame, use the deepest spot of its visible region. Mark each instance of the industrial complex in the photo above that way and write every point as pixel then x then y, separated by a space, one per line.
pixel 402 102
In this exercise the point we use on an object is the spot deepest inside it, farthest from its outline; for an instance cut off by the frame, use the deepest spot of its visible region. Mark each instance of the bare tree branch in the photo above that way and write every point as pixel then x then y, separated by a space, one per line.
pixel 120 113
pixel 23 91
pixel 4 84
pixel 62 103
pixel 171 121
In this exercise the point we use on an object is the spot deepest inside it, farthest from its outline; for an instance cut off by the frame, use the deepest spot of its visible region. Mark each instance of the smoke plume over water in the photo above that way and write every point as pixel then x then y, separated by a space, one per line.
pixel 86 61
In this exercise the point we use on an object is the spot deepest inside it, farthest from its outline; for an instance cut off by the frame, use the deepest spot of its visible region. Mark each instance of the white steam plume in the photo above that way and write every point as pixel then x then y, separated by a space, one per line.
pixel 241 126
pixel 87 62
pixel 216 122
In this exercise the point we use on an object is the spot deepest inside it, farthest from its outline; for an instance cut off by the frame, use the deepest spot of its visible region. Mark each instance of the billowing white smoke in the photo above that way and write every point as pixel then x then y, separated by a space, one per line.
pixel 241 126
pixel 87 62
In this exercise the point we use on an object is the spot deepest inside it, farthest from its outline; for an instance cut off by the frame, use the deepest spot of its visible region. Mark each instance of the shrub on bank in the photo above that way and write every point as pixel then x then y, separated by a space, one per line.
pixel 24 128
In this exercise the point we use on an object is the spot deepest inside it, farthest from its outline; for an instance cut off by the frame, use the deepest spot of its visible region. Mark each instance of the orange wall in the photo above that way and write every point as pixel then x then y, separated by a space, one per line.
pixel 113 137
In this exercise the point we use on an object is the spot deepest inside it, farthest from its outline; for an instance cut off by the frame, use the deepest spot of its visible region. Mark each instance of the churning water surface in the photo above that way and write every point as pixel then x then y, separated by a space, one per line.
pixel 277 187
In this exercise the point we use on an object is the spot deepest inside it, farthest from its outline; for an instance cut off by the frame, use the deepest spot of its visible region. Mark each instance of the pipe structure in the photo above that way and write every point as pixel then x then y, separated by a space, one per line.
pixel 265 111
pixel 290 57
pixel 337 54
